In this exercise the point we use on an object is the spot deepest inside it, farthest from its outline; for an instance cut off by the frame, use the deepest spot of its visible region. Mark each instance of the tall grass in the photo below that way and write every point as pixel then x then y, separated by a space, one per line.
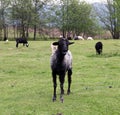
pixel 26 84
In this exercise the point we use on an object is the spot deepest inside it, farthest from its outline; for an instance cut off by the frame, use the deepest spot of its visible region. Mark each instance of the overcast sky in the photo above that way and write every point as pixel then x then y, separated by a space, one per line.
pixel 88 1
pixel 92 1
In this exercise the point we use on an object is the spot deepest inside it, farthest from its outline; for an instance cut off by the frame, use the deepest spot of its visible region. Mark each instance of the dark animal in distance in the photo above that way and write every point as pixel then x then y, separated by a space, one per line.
pixel 61 62
pixel 99 47
pixel 22 41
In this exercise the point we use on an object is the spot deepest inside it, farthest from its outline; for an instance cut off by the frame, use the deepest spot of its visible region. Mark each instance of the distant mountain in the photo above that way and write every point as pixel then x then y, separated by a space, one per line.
pixel 100 9
pixel 99 6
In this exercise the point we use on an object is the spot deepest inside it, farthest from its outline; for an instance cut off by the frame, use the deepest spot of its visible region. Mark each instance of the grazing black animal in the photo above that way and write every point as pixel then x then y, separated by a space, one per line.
pixel 23 41
pixel 99 47
pixel 61 62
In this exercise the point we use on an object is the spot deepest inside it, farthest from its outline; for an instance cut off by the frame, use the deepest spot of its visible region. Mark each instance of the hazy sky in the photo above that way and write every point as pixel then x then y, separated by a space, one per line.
pixel 91 1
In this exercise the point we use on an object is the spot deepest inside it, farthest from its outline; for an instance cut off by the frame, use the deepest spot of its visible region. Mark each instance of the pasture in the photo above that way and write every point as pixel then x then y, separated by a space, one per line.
pixel 26 83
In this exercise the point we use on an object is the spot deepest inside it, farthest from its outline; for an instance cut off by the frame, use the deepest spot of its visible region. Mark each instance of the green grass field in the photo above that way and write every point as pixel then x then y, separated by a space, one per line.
pixel 26 84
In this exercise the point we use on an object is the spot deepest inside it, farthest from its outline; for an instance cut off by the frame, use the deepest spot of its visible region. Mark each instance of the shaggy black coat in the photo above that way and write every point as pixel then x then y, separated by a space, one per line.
pixel 99 47
pixel 61 62
pixel 22 41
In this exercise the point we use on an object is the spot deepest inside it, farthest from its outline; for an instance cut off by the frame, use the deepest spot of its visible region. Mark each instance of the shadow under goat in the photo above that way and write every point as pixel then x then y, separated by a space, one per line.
pixel 22 41
pixel 99 47
pixel 61 62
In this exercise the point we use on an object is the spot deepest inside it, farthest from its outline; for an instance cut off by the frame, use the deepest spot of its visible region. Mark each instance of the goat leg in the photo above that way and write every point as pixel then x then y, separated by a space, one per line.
pixel 69 81
pixel 61 98
pixel 54 94
pixel 62 92
pixel 55 85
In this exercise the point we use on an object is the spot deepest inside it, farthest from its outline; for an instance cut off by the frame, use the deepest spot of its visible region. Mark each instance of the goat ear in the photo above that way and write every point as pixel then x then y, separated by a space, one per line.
pixel 55 43
pixel 71 43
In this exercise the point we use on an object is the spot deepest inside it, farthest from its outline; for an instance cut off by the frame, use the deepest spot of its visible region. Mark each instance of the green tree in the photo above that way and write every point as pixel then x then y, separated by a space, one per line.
pixel 4 4
pixel 26 13
pixel 116 30
pixel 110 16
pixel 77 17
pixel 38 6
pixel 21 15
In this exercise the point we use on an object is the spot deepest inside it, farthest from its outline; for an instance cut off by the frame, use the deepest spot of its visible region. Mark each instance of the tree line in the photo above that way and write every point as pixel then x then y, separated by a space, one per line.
pixel 69 16
pixel 110 17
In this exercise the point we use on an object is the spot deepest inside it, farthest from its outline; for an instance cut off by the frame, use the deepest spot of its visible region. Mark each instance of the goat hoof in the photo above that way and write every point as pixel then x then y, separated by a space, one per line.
pixel 68 92
pixel 61 99
pixel 54 99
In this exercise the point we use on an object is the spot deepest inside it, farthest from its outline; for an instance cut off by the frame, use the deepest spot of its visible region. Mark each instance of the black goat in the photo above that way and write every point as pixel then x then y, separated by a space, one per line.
pixel 99 47
pixel 61 62
pixel 23 41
